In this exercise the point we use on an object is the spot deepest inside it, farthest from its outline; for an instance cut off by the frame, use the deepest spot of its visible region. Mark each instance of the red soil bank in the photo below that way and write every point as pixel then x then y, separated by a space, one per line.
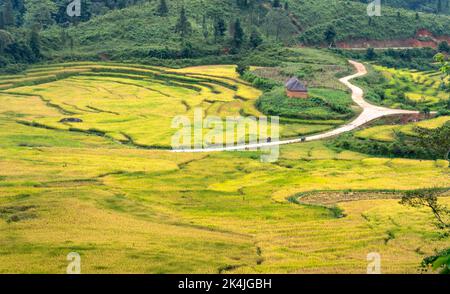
pixel 423 38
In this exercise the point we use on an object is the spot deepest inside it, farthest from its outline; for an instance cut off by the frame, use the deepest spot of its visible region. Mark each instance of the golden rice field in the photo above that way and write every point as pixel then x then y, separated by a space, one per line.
pixel 131 210
pixel 387 133
pixel 137 105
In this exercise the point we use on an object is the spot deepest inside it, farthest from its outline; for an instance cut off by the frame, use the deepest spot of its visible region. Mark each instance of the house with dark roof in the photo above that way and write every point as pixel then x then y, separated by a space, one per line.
pixel 296 89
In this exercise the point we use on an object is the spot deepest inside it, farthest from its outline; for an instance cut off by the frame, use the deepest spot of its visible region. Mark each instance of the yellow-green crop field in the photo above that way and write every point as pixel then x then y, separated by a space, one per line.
pixel 419 86
pixel 387 133
pixel 64 188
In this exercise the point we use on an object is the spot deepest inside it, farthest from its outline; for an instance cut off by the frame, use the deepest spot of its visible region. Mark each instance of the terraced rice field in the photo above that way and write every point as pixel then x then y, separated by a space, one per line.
pixel 387 133
pixel 131 210
pixel 418 86
pixel 136 105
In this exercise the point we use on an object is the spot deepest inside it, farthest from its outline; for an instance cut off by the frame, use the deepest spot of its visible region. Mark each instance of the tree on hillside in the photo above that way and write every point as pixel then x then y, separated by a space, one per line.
pixel 276 4
pixel 205 28
pixel 286 6
pixel 426 111
pixel 277 23
pixel 436 141
pixel 39 13
pixel 242 68
pixel 238 35
pixel 35 43
pixel 370 54
pixel 2 21
pixel 439 6
pixel 162 9
pixel 219 29
pixel 443 47
pixel 330 36
pixel 243 4
pixel 8 13
pixel 5 40
pixel 187 50
pixel 255 39
pixel 183 26
pixel 445 66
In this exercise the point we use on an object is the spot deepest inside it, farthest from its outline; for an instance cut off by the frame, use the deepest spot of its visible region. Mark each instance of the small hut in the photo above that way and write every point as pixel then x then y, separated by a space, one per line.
pixel 296 89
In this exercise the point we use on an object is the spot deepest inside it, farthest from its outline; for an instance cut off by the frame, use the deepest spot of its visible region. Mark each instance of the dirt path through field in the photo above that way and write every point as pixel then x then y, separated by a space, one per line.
pixel 370 112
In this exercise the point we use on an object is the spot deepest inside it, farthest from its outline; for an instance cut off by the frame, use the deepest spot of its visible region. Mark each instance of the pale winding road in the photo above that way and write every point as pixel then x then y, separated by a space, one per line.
pixel 370 112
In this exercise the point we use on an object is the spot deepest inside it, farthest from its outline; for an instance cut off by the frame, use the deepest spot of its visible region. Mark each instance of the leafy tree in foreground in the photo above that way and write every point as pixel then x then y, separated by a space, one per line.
pixel 440 261
pixel 429 198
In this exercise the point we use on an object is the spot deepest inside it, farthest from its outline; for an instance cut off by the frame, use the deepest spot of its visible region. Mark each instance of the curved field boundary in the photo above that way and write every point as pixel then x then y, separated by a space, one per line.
pixel 370 112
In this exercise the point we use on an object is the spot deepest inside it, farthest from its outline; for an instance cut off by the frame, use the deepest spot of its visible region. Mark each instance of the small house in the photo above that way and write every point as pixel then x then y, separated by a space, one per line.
pixel 296 89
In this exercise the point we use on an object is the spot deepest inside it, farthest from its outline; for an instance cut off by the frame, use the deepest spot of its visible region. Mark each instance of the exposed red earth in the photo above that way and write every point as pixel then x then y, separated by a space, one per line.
pixel 423 38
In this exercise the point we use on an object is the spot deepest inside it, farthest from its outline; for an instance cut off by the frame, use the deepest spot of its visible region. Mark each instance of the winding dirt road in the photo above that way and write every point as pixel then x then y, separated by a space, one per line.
pixel 370 112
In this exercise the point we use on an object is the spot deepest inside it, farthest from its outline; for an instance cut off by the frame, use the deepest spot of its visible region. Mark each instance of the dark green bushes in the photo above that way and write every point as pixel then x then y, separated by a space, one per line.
pixel 321 105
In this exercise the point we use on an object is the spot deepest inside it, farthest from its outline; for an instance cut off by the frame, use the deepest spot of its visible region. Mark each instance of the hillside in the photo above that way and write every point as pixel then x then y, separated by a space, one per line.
pixel 137 31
